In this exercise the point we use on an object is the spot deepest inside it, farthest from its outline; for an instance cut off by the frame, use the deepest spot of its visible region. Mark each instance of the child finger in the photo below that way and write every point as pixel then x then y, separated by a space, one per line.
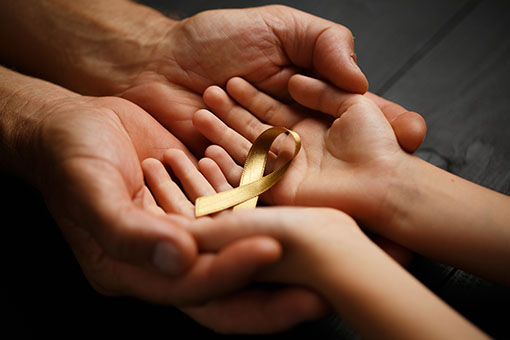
pixel 265 107
pixel 192 181
pixel 235 116
pixel 167 193
pixel 227 165
pixel 391 110
pixel 212 172
pixel 214 129
pixel 319 95
pixel 149 203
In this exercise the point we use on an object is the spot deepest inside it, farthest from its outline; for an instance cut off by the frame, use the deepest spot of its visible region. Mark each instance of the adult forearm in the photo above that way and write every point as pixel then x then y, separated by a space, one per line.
pixel 22 103
pixel 452 220
pixel 91 46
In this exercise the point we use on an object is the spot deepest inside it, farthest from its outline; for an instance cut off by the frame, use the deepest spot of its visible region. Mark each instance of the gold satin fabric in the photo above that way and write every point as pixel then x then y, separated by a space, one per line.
pixel 252 183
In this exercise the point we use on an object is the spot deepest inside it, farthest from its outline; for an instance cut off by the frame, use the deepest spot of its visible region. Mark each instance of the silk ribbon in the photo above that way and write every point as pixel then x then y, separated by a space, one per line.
pixel 252 183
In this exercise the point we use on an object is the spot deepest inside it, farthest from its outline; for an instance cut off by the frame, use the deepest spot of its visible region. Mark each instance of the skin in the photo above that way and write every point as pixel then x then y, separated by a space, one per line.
pixel 363 158
pixel 323 249
pixel 353 162
pixel 113 233
pixel 119 48
pixel 83 154
pixel 164 65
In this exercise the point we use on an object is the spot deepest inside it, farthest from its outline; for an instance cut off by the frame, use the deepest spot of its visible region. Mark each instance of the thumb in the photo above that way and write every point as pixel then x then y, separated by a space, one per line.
pixel 410 127
pixel 136 236
pixel 320 46
pixel 215 233
pixel 98 200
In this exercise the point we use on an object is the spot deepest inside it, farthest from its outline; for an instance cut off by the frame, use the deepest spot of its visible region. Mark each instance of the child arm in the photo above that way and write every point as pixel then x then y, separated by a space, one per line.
pixel 434 212
pixel 355 164
pixel 324 250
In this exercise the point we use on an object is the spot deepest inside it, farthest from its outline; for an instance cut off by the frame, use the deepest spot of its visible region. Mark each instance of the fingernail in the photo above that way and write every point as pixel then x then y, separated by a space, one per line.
pixel 354 62
pixel 166 258
pixel 354 59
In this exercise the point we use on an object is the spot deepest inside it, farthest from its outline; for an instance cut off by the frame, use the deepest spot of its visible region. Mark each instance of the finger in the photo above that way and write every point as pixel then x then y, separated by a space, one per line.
pixel 193 182
pixel 232 172
pixel 172 106
pixel 239 119
pixel 227 165
pixel 212 275
pixel 319 45
pixel 224 127
pixel 278 222
pixel 319 95
pixel 260 311
pixel 219 133
pixel 213 234
pixel 168 194
pixel 149 203
pixel 391 110
pixel 264 107
pixel 212 172
pixel 410 127
pixel 123 230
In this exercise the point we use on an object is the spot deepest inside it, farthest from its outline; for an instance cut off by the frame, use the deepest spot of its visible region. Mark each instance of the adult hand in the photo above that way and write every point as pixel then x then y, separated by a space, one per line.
pixel 251 310
pixel 265 46
pixel 84 155
pixel 122 48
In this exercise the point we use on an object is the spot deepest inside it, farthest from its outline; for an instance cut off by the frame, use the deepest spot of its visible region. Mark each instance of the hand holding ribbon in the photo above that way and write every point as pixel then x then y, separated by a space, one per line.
pixel 252 183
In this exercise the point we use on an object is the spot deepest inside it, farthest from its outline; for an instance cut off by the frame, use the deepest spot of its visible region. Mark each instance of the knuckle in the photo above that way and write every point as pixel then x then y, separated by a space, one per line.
pixel 269 111
pixel 352 101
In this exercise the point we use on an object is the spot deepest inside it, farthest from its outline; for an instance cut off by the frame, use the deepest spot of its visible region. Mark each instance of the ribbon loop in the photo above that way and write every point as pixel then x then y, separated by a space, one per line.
pixel 252 183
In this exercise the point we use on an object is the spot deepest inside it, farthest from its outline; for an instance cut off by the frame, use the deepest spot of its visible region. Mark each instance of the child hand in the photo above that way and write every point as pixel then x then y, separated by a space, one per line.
pixel 314 240
pixel 309 235
pixel 349 164
pixel 325 250
pixel 229 269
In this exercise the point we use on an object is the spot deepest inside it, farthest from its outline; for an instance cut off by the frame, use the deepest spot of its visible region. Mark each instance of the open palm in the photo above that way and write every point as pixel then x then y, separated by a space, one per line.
pixel 95 190
pixel 345 163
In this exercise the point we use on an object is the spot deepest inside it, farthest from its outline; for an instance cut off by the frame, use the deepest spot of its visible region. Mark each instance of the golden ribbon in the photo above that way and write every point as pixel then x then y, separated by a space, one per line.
pixel 252 183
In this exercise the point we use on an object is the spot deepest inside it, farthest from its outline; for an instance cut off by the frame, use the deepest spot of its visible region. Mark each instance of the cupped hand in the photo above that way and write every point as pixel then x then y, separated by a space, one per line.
pixel 250 310
pixel 89 172
pixel 265 45
pixel 91 177
pixel 348 161
pixel 299 229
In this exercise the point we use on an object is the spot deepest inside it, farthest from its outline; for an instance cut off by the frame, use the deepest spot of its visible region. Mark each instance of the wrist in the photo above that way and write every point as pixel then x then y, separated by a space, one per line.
pixel 399 196
pixel 377 195
pixel 125 44
pixel 449 219
pixel 96 47
pixel 24 104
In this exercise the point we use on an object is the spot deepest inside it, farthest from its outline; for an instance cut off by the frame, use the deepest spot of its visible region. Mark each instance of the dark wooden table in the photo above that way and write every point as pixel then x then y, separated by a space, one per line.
pixel 448 60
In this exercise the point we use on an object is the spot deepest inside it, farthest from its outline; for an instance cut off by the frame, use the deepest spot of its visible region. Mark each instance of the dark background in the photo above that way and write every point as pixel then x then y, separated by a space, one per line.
pixel 448 60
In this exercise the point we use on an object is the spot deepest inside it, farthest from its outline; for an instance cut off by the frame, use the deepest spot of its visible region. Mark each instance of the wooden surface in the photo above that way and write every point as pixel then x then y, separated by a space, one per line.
pixel 448 60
